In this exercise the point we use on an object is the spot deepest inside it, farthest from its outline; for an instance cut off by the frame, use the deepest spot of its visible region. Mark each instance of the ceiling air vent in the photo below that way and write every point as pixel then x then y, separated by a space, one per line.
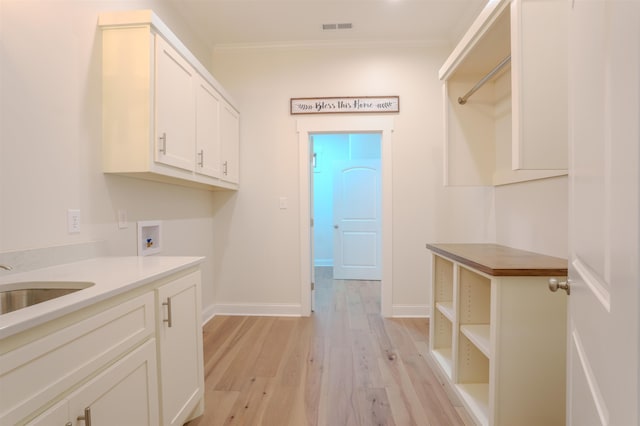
pixel 343 26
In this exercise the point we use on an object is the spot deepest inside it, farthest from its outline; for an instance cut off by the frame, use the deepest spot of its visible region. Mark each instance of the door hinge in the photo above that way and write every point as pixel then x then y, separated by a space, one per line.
pixel 311 221
pixel 313 286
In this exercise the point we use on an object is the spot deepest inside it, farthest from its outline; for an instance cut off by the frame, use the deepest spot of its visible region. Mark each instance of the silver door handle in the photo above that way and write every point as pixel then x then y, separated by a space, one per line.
pixel 169 319
pixel 163 148
pixel 554 285
pixel 201 155
pixel 86 417
pixel 335 227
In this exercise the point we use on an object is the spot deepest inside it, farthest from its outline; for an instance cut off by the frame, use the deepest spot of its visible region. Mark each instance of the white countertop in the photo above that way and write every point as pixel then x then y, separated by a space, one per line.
pixel 111 275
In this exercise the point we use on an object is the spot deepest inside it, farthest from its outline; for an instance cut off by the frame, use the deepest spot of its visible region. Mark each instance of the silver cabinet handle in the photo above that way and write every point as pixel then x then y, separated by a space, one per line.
pixel 163 146
pixel 554 285
pixel 224 168
pixel 86 417
pixel 201 155
pixel 169 320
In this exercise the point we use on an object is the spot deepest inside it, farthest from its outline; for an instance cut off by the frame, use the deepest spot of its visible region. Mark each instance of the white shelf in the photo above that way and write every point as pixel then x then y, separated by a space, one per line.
pixel 446 309
pixel 479 335
pixel 444 359
pixel 475 397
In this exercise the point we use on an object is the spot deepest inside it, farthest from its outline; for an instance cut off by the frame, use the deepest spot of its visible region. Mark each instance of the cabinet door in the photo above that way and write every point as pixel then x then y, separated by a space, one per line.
pixel 124 394
pixel 175 108
pixel 230 135
pixel 207 130
pixel 180 348
pixel 539 84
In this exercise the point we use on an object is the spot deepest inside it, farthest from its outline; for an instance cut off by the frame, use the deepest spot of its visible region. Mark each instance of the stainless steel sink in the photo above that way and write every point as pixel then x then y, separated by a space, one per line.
pixel 16 296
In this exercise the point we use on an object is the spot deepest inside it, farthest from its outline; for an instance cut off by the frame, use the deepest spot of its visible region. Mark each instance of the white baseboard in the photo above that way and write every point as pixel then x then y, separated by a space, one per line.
pixel 267 310
pixel 410 311
pixel 208 313
pixel 281 310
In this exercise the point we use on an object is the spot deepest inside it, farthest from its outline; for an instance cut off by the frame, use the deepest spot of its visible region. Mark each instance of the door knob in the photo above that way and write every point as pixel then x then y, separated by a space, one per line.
pixel 335 227
pixel 554 285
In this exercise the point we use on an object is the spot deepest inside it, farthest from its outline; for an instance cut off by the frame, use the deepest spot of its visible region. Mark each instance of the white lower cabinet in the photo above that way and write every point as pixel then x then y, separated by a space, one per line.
pixel 180 350
pixel 132 360
pixel 124 395
pixel 497 334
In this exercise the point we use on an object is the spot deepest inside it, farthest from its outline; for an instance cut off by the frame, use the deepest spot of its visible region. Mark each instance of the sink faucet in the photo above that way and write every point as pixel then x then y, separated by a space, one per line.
pixel 6 267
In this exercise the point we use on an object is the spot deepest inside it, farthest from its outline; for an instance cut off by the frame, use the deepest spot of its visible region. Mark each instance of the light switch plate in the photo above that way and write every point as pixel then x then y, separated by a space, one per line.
pixel 73 221
pixel 283 203
pixel 122 219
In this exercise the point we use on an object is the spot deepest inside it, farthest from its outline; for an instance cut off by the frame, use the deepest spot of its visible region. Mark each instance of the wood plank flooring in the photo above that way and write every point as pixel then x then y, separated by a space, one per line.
pixel 345 365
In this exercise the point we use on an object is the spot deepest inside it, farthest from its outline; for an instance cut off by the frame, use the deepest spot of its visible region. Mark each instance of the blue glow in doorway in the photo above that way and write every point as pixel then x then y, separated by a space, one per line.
pixel 329 149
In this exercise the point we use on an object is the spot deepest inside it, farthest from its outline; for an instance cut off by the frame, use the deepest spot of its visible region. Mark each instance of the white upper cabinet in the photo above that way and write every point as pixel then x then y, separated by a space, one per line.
pixel 162 110
pixel 175 109
pixel 513 127
pixel 208 160
pixel 230 134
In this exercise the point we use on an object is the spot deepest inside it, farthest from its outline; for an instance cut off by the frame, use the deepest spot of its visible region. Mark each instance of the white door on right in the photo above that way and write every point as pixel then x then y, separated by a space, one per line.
pixel 604 123
pixel 357 242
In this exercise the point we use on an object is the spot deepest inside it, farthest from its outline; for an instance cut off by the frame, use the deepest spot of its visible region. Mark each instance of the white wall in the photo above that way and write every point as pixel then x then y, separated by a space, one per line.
pixel 50 139
pixel 261 260
pixel 534 216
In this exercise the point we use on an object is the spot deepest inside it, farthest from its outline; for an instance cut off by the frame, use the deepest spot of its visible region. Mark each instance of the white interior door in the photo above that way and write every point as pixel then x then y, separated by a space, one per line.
pixel 604 89
pixel 357 221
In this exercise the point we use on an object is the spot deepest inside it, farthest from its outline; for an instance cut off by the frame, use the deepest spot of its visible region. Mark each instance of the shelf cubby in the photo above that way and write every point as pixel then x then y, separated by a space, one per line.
pixel 442 342
pixel 446 309
pixel 473 368
pixel 443 280
pixel 479 335
pixel 475 297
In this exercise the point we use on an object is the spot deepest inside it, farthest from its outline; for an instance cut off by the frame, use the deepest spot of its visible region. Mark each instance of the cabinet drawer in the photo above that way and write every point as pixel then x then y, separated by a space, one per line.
pixel 33 375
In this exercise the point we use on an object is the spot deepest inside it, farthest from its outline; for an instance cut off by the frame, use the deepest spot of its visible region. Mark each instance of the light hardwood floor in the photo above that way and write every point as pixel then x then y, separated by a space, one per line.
pixel 344 365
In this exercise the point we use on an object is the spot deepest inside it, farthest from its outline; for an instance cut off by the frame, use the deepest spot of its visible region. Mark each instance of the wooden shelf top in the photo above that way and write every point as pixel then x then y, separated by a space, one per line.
pixel 497 260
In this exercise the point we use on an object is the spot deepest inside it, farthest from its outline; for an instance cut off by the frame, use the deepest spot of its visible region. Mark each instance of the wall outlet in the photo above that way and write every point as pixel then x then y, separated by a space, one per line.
pixel 73 221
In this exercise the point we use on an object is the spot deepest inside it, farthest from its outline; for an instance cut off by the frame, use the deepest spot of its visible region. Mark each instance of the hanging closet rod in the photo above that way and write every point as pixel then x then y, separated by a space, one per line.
pixel 463 100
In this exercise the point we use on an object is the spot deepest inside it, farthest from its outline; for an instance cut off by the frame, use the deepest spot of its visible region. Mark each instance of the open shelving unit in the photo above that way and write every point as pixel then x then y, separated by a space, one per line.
pixel 498 334
pixel 512 77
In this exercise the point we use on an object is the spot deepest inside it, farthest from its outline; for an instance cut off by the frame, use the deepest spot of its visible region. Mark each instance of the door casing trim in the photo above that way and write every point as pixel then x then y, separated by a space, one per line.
pixel 345 124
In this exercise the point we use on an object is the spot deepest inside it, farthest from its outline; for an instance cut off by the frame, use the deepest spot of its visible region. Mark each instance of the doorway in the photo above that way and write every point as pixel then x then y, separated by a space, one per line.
pixel 383 125
pixel 346 193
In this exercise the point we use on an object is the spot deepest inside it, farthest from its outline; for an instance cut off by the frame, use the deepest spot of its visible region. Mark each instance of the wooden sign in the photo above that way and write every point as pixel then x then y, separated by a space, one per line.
pixel 349 104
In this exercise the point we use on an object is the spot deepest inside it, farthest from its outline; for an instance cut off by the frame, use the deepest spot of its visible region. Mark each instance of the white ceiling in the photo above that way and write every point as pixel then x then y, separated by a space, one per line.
pixel 231 22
